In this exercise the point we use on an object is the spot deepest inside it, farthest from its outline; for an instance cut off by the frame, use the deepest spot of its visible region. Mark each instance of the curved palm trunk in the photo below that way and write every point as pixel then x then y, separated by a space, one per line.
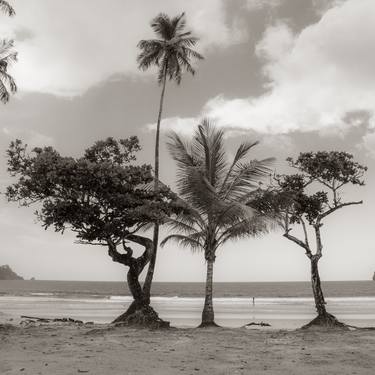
pixel 208 315
pixel 151 268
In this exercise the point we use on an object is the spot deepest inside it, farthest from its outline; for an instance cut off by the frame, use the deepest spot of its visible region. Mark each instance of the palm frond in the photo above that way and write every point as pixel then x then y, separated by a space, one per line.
pixel 184 241
pixel 208 142
pixel 241 152
pixel 179 151
pixel 180 225
pixel 7 8
pixel 246 176
pixel 178 23
pixel 253 227
pixel 162 26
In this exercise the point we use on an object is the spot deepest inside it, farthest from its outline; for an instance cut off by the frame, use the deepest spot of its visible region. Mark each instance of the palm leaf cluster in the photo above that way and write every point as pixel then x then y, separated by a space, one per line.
pixel 7 8
pixel 215 191
pixel 7 57
pixel 171 51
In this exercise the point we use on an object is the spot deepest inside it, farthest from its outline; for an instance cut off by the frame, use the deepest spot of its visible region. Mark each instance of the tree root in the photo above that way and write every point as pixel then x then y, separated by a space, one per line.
pixel 143 316
pixel 208 324
pixel 326 321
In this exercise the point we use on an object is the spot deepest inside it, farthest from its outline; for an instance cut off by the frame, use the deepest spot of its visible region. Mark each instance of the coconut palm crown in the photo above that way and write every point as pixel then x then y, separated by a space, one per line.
pixel 172 51
pixel 215 193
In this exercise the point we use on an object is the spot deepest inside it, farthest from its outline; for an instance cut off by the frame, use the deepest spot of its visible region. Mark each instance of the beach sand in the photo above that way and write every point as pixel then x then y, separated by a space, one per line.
pixel 62 348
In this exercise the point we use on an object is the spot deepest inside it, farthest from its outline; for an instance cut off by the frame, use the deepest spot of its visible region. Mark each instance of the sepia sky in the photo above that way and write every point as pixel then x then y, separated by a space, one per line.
pixel 296 75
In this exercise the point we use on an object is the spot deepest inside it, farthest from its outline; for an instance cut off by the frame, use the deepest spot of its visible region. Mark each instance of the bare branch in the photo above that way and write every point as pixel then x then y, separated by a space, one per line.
pixel 341 205
pixel 298 242
pixel 305 232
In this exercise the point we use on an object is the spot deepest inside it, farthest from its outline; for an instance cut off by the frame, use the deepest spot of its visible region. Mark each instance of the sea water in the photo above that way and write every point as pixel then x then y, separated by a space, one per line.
pixel 283 305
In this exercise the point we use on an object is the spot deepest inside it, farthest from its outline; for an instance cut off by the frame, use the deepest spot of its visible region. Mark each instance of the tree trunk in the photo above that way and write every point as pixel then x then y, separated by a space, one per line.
pixel 208 316
pixel 139 313
pixel 316 287
pixel 151 267
pixel 324 319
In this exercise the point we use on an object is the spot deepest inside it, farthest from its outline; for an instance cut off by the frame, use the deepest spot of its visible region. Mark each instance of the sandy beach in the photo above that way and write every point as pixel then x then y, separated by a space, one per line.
pixel 62 349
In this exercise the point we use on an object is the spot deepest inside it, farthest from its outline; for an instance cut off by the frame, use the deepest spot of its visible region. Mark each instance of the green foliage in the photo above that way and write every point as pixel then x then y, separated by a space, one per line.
pixel 291 197
pixel 99 196
pixel 7 57
pixel 214 191
pixel 332 168
pixel 172 51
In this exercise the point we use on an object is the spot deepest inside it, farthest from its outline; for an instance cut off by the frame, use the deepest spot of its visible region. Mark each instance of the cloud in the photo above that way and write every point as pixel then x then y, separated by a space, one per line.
pixel 313 79
pixel 66 47
pixel 321 6
pixel 369 144
pixel 180 125
pixel 30 137
pixel 261 4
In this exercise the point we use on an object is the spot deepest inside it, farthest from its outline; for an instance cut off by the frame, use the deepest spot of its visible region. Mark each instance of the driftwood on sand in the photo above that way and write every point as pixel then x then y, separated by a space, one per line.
pixel 261 324
pixel 49 320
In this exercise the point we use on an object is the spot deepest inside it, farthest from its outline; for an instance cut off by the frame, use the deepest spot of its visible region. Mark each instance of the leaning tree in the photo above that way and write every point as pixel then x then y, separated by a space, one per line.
pixel 214 192
pixel 101 197
pixel 305 199
pixel 172 53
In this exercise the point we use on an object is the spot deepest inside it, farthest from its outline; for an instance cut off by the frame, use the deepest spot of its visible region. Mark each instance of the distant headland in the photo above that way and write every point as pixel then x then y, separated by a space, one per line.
pixel 6 273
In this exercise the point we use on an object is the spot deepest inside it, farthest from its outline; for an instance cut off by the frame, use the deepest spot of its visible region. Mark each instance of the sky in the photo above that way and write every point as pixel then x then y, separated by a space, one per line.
pixel 296 75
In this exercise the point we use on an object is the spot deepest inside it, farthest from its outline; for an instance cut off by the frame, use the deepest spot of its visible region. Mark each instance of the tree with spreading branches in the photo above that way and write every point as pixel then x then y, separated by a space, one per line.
pixel 172 54
pixel 103 198
pixel 305 199
pixel 7 57
pixel 214 193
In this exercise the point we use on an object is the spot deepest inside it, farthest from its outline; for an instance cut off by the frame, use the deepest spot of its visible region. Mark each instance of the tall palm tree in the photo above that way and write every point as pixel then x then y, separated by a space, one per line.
pixel 7 56
pixel 171 52
pixel 215 193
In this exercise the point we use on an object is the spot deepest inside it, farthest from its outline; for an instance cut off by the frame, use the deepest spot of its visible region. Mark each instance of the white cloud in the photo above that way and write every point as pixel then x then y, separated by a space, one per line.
pixel 181 125
pixel 260 4
pixel 30 137
pixel 313 79
pixel 369 143
pixel 65 47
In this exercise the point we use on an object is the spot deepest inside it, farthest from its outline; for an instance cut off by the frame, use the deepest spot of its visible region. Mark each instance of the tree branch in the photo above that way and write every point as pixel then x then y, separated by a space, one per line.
pixel 298 242
pixel 305 232
pixel 147 244
pixel 324 214
pixel 116 256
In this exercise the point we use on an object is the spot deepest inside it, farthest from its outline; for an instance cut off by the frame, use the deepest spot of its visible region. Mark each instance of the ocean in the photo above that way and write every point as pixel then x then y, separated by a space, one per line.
pixel 281 304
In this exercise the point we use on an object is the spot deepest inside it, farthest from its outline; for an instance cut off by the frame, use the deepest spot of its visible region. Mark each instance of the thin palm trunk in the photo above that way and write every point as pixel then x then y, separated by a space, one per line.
pixel 208 315
pixel 151 268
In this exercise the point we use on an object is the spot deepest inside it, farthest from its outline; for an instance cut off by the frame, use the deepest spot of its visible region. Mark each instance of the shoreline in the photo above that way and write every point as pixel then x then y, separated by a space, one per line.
pixel 62 349
pixel 186 312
